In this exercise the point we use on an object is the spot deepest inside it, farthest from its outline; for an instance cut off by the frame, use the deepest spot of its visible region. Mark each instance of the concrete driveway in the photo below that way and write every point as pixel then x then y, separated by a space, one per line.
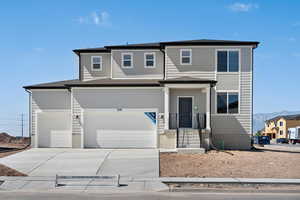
pixel 142 163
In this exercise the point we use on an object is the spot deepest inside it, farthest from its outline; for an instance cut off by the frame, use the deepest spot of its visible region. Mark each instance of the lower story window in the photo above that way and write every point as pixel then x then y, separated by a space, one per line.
pixel 227 102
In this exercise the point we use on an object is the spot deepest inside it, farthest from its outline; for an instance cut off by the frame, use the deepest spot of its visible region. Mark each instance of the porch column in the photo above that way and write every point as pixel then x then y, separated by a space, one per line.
pixel 208 108
pixel 166 115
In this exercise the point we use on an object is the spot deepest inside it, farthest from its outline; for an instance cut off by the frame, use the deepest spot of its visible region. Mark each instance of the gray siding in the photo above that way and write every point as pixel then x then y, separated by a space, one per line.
pixel 48 100
pixel 86 68
pixel 138 70
pixel 203 63
pixel 114 99
pixel 234 130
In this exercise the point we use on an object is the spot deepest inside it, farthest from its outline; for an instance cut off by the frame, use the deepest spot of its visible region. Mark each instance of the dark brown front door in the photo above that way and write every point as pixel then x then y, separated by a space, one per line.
pixel 185 112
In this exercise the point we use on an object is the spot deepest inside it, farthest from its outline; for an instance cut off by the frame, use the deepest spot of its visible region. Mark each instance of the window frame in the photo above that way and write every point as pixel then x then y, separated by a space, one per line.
pixel 227 53
pixel 190 57
pixel 227 96
pixel 131 60
pixel 92 63
pixel 281 123
pixel 145 59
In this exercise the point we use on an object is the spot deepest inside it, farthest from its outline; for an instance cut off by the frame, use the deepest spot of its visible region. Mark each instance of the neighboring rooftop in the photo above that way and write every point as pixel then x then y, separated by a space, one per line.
pixel 286 117
pixel 161 45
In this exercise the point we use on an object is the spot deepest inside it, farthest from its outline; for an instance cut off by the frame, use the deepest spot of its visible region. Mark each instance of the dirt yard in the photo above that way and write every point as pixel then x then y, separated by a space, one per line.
pixel 265 162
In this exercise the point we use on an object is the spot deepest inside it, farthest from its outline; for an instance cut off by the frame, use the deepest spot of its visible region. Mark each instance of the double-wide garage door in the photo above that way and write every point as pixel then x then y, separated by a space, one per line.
pixel 120 128
pixel 54 128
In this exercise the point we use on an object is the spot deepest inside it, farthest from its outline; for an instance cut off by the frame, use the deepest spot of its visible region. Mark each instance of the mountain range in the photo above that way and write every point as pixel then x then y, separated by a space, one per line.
pixel 260 118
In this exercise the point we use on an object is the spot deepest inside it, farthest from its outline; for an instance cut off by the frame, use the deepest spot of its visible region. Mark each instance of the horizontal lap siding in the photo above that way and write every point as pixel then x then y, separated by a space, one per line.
pixel 48 100
pixel 86 66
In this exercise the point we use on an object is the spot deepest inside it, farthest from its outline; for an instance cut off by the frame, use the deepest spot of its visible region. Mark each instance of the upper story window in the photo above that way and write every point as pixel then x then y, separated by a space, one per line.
pixel 227 102
pixel 149 59
pixel 228 61
pixel 280 123
pixel 127 60
pixel 96 63
pixel 281 132
pixel 185 56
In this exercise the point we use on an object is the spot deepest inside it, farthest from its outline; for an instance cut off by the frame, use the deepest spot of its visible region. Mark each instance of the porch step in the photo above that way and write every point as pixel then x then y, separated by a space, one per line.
pixel 188 138
pixel 190 150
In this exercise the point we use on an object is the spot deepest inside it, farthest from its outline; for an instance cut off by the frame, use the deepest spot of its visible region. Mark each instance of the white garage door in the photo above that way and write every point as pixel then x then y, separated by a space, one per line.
pixel 54 129
pixel 120 129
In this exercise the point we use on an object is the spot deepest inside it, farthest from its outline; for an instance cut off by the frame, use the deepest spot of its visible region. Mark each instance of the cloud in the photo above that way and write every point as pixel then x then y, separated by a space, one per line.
pixel 99 19
pixel 291 39
pixel 296 24
pixel 242 7
pixel 38 49
pixel 297 54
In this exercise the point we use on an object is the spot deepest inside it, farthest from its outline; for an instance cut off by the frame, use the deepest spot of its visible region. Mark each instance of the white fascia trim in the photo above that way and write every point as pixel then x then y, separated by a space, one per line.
pixel 96 53
pixel 128 50
pixel 141 78
pixel 109 88
pixel 199 86
pixel 199 46
pixel 58 90
pixel 145 60
pixel 190 50
pixel 92 63
pixel 131 60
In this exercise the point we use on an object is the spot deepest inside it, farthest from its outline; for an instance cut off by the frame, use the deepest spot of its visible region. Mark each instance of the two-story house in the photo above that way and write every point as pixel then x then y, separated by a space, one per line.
pixel 192 93
pixel 278 126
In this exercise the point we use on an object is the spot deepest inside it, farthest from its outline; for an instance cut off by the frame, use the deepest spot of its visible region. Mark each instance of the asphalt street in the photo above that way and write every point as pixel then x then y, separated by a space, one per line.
pixel 146 196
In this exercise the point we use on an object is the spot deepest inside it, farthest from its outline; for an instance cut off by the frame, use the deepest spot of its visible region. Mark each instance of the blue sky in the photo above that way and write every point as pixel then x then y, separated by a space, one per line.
pixel 37 38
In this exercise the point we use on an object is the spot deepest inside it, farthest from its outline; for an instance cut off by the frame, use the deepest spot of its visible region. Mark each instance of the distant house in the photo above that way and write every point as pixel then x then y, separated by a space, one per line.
pixel 277 127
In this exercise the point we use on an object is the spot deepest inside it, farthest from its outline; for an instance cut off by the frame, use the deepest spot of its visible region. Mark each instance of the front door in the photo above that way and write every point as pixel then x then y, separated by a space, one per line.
pixel 185 112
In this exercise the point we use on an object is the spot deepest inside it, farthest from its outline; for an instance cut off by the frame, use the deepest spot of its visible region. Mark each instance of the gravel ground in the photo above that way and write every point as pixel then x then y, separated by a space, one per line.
pixel 6 171
pixel 266 162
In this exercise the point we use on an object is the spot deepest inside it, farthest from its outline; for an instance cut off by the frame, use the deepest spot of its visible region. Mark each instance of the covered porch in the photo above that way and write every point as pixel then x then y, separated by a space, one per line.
pixel 187 108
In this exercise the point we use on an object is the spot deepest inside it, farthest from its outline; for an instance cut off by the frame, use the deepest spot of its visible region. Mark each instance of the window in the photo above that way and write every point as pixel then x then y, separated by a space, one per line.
pixel 127 60
pixel 280 123
pixel 185 56
pixel 96 63
pixel 149 59
pixel 227 102
pixel 281 132
pixel 228 61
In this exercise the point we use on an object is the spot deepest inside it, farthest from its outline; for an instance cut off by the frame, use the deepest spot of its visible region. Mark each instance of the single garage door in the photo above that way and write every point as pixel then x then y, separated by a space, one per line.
pixel 120 129
pixel 54 129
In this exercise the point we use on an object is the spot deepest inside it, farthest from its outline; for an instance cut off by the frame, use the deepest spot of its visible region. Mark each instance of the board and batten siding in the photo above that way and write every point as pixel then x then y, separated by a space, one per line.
pixel 138 70
pixel 234 130
pixel 87 73
pixel 47 100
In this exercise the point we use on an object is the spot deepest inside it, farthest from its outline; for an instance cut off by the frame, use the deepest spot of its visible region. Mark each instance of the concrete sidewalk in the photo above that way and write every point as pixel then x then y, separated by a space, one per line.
pixel 127 184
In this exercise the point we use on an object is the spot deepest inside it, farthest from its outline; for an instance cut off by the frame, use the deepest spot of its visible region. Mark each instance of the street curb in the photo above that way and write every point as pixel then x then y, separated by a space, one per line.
pixel 230 180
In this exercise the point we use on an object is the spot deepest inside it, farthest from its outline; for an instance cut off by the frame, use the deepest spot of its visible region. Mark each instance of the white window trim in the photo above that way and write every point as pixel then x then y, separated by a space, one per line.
pixel 127 67
pixel 227 50
pixel 145 60
pixel 190 50
pixel 227 92
pixel 92 63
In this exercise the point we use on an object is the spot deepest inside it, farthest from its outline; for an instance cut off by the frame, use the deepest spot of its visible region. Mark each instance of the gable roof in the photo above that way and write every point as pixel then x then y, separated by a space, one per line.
pixel 161 45
pixel 286 117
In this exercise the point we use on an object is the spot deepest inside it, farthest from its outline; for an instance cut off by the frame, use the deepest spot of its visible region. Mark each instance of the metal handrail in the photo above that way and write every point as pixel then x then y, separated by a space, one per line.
pixel 198 120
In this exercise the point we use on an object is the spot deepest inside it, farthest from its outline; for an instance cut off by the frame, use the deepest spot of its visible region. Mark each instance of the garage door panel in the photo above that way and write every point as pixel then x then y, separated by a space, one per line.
pixel 54 129
pixel 123 129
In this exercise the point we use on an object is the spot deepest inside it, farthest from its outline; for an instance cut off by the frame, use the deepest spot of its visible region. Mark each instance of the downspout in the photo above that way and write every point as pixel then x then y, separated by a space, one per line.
pixel 29 118
pixel 164 64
